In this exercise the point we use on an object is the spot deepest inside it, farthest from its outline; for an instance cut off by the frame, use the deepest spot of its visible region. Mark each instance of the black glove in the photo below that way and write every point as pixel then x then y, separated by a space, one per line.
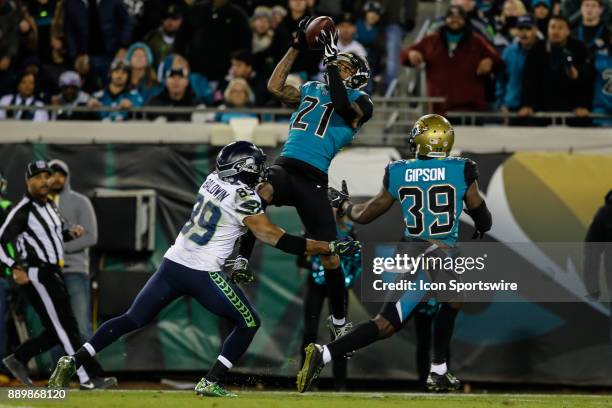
pixel 344 246
pixel 298 40
pixel 338 198
pixel 330 46
pixel 241 273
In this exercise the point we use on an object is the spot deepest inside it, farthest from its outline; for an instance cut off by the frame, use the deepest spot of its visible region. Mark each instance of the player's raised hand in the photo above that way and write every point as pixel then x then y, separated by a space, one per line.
pixel 344 246
pixel 298 41
pixel 330 46
pixel 338 197
pixel 241 273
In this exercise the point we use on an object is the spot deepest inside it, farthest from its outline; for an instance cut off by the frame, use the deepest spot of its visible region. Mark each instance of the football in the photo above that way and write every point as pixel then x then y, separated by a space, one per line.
pixel 314 29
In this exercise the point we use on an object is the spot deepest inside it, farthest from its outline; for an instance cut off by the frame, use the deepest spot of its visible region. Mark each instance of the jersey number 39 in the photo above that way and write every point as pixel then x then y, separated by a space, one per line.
pixel 206 216
pixel 440 203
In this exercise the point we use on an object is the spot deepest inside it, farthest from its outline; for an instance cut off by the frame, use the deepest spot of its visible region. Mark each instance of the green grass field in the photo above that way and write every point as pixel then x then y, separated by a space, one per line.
pixel 254 399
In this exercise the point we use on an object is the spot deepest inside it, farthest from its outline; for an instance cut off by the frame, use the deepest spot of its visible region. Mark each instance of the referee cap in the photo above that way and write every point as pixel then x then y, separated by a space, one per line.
pixel 37 167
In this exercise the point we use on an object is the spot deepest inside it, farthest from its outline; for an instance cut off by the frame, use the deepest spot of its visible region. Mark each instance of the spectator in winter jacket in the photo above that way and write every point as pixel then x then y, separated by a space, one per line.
pixel 370 33
pixel 557 74
pixel 217 28
pixel 97 30
pixel 455 48
pixel 197 82
pixel 572 10
pixel 541 10
pixel 242 67
pixel 237 95
pixel 591 29
pixel 78 209
pixel 70 96
pixel 26 96
pixel 262 30
pixel 177 92
pixel 142 75
pixel 162 40
pixel 117 94
pixel 510 82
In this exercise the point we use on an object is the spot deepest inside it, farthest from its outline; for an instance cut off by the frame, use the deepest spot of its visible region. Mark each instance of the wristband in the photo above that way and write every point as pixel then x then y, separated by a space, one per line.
pixel 291 244
pixel 348 211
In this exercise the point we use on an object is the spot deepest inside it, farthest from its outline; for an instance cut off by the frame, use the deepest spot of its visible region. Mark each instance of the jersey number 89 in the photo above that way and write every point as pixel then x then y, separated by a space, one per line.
pixel 207 220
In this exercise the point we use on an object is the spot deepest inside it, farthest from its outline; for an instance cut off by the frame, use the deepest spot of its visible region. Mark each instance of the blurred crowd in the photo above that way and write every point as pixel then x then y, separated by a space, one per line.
pixel 522 56
pixel 182 53
pixel 519 56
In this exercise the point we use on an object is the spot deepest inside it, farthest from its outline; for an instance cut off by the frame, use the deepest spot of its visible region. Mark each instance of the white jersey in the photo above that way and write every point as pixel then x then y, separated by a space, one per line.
pixel 208 238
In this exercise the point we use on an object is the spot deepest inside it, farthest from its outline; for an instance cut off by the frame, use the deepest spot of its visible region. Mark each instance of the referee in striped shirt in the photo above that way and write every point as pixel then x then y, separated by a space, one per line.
pixel 38 231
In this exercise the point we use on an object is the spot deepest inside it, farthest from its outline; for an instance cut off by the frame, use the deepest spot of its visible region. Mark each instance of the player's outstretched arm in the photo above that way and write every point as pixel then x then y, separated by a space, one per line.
pixel 287 94
pixel 277 86
pixel 477 209
pixel 353 113
pixel 273 235
pixel 363 213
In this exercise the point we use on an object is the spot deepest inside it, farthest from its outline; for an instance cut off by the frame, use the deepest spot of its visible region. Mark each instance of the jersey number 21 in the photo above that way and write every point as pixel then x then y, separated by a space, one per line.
pixel 311 104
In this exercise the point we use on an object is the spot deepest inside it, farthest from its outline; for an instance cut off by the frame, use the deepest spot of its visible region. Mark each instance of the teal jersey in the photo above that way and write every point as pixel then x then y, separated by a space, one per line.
pixel 431 194
pixel 316 131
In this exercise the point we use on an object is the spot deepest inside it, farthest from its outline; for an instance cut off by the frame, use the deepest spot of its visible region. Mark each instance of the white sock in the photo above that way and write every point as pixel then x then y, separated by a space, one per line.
pixel 225 362
pixel 90 349
pixel 338 322
pixel 326 355
pixel 439 369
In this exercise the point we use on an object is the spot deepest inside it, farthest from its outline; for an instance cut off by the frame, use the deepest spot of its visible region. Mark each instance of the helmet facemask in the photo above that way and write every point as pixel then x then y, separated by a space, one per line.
pixel 361 74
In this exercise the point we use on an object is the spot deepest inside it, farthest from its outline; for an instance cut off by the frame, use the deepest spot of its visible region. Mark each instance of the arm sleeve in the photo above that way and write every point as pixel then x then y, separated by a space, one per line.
pixel 247 242
pixel 14 225
pixel 470 172
pixel 87 219
pixel 367 107
pixel 339 96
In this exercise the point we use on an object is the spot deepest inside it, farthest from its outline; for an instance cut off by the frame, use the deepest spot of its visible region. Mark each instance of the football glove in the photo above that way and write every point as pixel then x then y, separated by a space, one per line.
pixel 344 246
pixel 298 40
pixel 240 271
pixel 330 46
pixel 338 198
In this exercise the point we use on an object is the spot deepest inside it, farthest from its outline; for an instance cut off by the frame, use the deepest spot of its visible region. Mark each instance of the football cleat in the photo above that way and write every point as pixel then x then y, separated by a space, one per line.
pixel 18 370
pixel 207 388
pixel 313 364
pixel 442 382
pixel 99 383
pixel 338 331
pixel 64 370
